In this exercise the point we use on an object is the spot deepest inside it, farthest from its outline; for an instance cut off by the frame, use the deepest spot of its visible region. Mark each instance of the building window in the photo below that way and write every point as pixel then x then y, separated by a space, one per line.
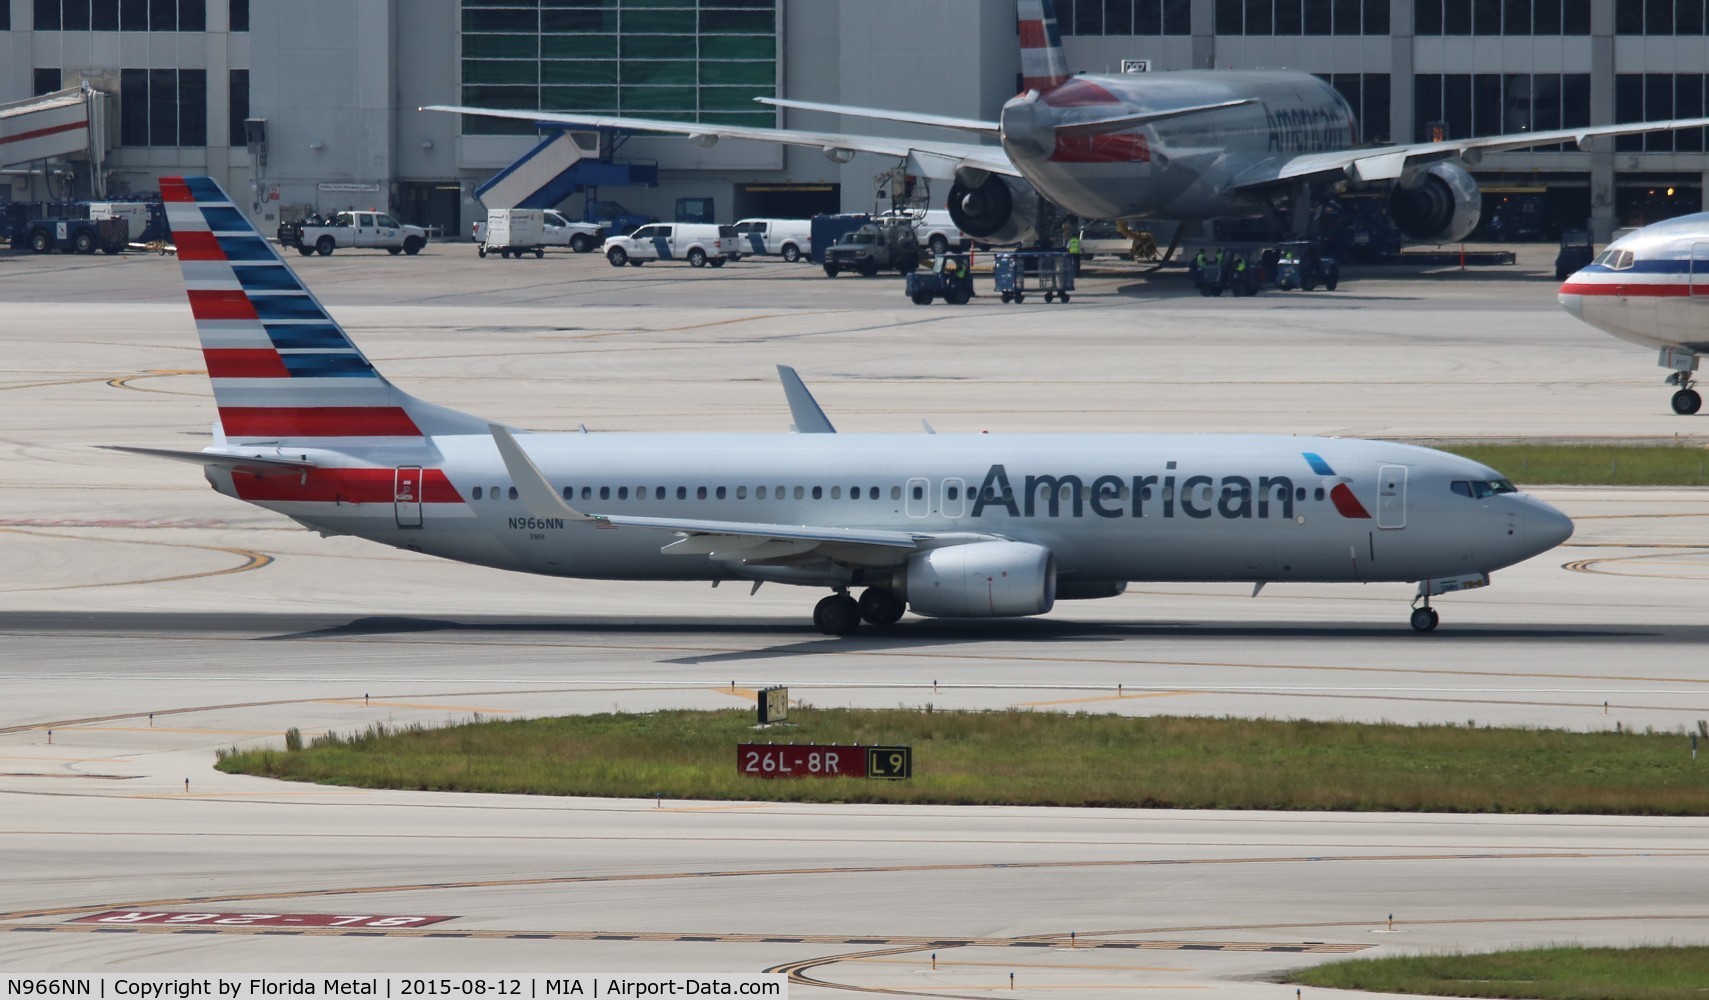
pixel 634 57
pixel 163 107
pixel 48 15
pixel 240 15
pixel 238 85
pixel 1642 97
pixel 1494 104
pixel 1302 17
pixel 1368 95
pixel 1124 17
pixel 105 15
pixel 45 81
pixel 1513 17
pixel 5 17
pixel 1656 17
pixel 123 15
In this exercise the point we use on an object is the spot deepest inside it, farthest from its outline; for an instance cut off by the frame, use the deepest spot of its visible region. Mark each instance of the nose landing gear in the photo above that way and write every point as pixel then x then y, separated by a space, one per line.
pixel 1687 400
pixel 1424 617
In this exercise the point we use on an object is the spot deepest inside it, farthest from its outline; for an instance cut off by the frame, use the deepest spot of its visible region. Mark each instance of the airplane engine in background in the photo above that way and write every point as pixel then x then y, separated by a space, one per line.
pixel 999 210
pixel 982 580
pixel 1439 204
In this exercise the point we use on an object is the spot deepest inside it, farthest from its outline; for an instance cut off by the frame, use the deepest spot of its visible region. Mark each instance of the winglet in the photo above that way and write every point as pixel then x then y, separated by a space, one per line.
pixel 809 418
pixel 531 486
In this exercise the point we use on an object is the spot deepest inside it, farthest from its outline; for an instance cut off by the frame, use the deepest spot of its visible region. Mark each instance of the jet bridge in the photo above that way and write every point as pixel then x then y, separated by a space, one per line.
pixel 564 163
pixel 64 123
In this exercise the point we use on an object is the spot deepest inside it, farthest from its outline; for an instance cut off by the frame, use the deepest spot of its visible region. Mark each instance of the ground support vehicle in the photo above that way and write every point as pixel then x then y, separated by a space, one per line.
pixel 826 230
pixel 949 279
pixel 514 232
pixel 701 244
pixel 612 217
pixel 373 230
pixel 1301 265
pixel 559 231
pixel 791 239
pixel 872 248
pixel 1577 251
pixel 66 234
pixel 1020 273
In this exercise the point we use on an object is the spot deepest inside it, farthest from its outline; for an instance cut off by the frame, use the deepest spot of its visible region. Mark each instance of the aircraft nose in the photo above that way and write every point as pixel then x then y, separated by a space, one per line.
pixel 1546 527
pixel 1571 301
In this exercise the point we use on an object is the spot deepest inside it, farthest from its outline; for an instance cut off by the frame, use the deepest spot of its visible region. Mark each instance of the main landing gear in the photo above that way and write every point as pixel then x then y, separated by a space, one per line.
pixel 1424 618
pixel 840 614
pixel 1686 401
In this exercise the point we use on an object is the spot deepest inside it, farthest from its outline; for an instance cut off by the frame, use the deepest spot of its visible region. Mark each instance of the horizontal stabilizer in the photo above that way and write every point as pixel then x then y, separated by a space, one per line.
pixel 254 465
pixel 1121 123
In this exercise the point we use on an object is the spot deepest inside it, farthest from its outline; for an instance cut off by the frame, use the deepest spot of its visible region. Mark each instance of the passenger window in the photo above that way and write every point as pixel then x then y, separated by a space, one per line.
pixel 836 493
pixel 779 493
pixel 682 493
pixel 622 492
pixel 872 494
pixel 1299 494
pixel 919 493
pixel 658 493
pixel 1317 494
pixel 605 493
pixel 513 493
pixel 700 493
pixel 895 492
pixel 477 493
pixel 741 493
pixel 818 493
pixel 587 492
pixel 952 493
pixel 720 492
pixel 759 493
pixel 799 492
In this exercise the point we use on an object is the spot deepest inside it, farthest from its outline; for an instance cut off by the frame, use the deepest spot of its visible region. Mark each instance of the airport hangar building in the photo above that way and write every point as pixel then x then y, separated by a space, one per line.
pixel 338 82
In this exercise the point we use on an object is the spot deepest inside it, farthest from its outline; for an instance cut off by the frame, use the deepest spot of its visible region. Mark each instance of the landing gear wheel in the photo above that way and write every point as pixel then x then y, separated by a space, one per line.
pixel 1424 619
pixel 1686 402
pixel 837 615
pixel 881 606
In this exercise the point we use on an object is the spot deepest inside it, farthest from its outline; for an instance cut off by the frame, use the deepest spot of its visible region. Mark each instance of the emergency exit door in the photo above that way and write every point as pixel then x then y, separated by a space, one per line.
pixel 406 496
pixel 1391 496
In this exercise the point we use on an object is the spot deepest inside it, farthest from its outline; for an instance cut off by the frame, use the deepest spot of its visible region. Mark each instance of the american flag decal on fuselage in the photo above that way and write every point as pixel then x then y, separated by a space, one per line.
pixel 281 367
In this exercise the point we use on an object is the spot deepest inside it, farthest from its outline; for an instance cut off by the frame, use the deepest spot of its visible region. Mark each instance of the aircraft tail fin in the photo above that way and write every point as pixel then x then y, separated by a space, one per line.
pixel 282 368
pixel 1042 64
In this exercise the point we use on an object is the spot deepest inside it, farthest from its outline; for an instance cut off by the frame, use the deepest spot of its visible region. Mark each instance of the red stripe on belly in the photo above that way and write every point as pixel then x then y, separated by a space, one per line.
pixel 343 486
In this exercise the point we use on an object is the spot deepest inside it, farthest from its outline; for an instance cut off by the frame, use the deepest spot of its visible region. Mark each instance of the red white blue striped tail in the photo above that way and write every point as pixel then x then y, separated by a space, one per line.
pixel 282 368
pixel 1043 65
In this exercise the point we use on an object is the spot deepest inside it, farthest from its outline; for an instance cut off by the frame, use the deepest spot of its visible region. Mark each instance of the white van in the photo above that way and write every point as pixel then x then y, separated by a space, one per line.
pixel 699 243
pixel 792 239
pixel 934 228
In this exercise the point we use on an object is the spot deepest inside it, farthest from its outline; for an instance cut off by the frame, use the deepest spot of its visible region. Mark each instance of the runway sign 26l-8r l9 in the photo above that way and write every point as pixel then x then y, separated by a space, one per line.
pixel 769 760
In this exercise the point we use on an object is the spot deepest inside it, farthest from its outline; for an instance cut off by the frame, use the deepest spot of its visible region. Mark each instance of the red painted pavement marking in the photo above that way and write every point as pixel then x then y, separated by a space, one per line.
pixel 125 917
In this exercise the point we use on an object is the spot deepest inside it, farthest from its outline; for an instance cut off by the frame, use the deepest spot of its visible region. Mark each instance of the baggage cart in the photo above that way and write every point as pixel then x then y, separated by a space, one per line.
pixel 1020 273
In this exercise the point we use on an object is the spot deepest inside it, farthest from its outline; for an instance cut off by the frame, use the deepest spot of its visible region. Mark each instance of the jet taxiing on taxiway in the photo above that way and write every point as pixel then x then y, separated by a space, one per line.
pixel 1651 287
pixel 1188 146
pixel 948 525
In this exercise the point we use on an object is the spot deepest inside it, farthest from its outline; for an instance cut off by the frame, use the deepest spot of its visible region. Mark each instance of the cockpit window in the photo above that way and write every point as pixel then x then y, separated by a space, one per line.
pixel 1477 489
pixel 1616 260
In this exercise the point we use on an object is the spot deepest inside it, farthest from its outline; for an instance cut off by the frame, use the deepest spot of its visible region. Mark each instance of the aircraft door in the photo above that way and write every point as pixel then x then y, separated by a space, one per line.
pixel 1391 496
pixel 917 496
pixel 1699 269
pixel 406 496
pixel 955 496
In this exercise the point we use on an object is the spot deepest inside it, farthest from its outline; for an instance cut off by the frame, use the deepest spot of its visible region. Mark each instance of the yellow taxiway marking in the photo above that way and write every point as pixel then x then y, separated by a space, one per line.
pixel 164 729
pixel 746 694
pixel 408 704
pixel 1109 697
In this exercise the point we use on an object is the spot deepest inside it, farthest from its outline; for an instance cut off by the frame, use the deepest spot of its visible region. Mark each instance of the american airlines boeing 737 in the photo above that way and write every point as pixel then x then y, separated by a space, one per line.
pixel 1188 145
pixel 947 525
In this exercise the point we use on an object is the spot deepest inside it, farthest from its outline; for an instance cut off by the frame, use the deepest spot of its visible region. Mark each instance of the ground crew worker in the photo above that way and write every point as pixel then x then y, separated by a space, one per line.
pixel 1239 270
pixel 1074 250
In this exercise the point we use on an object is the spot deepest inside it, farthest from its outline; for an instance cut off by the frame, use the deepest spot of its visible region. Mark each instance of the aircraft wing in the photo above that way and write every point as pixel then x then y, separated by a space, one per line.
pixel 1390 162
pixel 935 159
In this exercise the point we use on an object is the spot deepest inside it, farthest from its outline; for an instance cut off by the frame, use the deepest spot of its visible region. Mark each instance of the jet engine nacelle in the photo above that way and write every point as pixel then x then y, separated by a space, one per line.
pixel 1439 205
pixel 999 209
pixel 982 580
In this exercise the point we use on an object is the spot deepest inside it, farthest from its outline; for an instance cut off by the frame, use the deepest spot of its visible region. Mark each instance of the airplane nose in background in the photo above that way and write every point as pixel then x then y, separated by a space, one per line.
pixel 1572 303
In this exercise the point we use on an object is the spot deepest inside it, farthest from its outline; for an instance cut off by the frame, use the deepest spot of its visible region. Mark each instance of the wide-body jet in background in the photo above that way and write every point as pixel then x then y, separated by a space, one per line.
pixel 1651 287
pixel 947 525
pixel 1188 146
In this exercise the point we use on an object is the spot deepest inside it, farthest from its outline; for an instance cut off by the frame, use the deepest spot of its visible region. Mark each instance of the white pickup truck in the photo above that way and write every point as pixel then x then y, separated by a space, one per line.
pixel 375 230
pixel 560 232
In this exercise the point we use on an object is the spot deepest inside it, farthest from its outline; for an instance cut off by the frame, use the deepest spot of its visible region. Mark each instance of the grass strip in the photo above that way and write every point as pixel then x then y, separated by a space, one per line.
pixel 1562 973
pixel 1592 465
pixel 1020 757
